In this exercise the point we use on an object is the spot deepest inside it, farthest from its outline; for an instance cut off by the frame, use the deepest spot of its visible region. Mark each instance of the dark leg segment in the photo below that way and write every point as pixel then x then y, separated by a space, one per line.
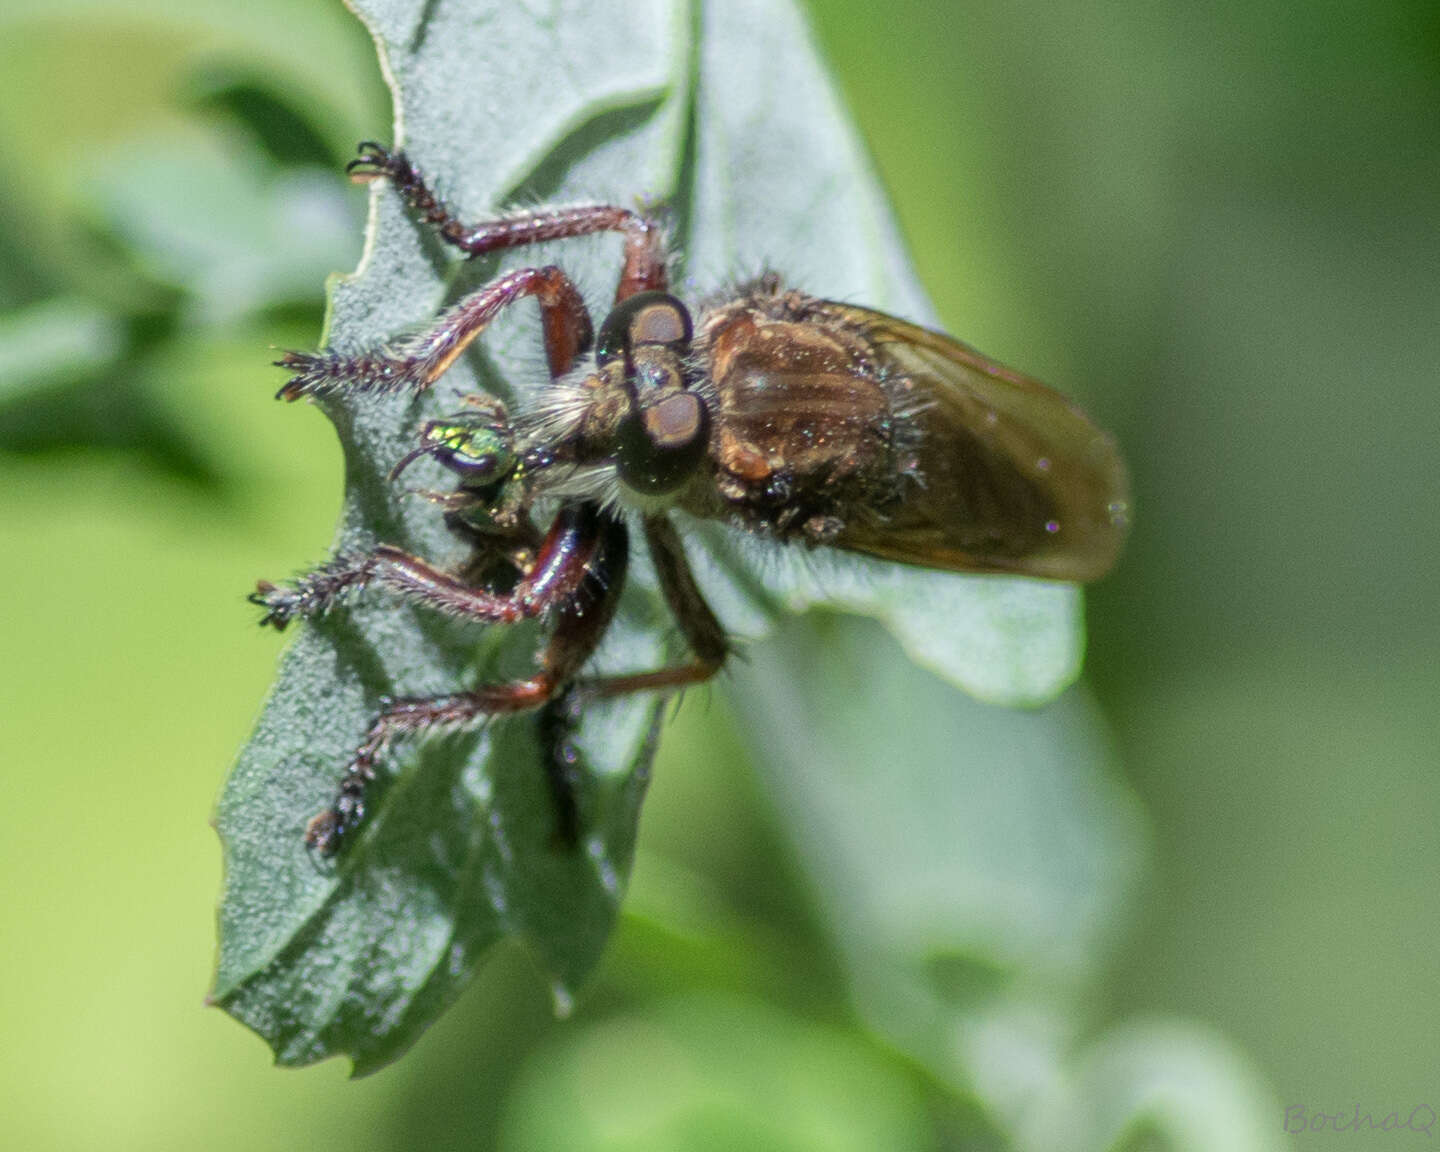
pixel 419 363
pixel 556 724
pixel 498 558
pixel 644 243
pixel 703 632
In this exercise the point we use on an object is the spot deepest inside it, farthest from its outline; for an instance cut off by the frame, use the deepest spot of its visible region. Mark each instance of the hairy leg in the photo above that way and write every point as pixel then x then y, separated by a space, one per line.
pixel 571 547
pixel 418 363
pixel 644 266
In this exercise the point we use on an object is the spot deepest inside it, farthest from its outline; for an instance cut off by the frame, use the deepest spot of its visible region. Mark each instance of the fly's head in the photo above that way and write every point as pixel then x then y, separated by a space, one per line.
pixel 656 423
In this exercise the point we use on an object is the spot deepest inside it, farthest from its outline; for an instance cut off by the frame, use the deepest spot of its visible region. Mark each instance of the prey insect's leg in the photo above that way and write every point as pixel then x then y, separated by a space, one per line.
pixel 498 558
pixel 644 243
pixel 580 582
pixel 419 363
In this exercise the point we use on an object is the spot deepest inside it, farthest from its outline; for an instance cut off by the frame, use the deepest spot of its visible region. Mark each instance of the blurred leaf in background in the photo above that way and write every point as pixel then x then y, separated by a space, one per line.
pixel 1225 220
pixel 177 184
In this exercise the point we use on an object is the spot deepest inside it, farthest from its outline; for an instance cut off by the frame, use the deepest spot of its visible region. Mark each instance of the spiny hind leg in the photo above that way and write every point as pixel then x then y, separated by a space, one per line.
pixel 418 717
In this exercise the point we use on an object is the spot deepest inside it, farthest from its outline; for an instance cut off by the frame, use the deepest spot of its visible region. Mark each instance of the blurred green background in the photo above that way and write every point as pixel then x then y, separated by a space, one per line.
pixel 1218 224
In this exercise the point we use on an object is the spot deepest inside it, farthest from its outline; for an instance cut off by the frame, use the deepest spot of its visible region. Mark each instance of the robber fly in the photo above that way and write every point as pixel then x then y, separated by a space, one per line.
pixel 801 420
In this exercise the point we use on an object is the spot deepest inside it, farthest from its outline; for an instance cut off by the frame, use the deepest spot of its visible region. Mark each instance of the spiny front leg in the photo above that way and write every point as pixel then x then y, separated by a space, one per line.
pixel 645 258
pixel 416 364
pixel 314 593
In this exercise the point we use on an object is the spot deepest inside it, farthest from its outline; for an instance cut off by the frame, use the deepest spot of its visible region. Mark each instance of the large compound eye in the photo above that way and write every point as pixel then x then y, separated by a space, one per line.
pixel 645 318
pixel 660 447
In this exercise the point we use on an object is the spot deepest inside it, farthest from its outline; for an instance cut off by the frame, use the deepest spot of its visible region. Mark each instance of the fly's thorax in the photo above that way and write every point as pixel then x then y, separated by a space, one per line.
pixel 803 428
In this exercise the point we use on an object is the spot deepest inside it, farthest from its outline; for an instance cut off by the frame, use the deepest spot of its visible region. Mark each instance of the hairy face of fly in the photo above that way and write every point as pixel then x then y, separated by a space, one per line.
pixel 634 418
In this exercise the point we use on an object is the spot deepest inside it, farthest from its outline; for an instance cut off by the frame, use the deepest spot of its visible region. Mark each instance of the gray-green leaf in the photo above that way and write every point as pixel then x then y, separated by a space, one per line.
pixel 724 112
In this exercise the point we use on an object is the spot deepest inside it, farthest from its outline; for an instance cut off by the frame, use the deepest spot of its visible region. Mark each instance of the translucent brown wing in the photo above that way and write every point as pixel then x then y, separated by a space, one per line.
pixel 1008 475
